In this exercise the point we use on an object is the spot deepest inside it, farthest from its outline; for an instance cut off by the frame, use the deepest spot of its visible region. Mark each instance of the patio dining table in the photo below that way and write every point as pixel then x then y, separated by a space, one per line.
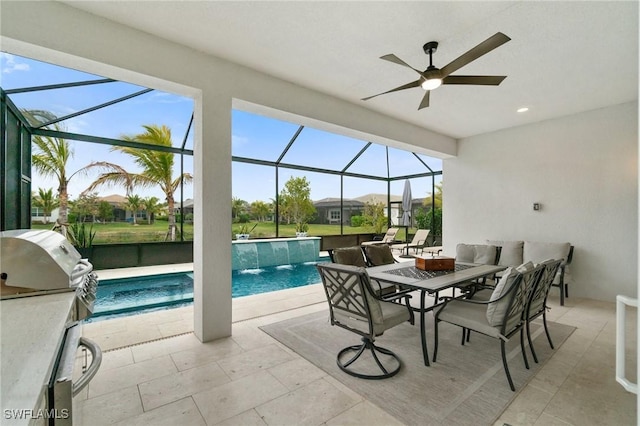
pixel 406 275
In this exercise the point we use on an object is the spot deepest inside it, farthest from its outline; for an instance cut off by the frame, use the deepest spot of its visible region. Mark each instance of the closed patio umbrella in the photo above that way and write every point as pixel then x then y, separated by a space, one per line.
pixel 406 212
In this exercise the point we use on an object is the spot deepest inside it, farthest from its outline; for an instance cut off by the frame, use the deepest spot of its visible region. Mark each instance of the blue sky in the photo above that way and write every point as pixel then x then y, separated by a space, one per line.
pixel 253 136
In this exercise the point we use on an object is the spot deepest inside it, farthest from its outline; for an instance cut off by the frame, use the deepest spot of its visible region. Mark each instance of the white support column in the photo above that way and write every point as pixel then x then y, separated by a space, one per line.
pixel 212 237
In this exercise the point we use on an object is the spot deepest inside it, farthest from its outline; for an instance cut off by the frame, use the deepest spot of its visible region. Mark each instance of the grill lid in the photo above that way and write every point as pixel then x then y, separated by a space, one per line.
pixel 37 259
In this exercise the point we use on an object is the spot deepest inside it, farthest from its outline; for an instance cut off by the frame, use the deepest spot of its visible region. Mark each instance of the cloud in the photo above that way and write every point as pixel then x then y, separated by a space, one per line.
pixel 238 141
pixel 10 65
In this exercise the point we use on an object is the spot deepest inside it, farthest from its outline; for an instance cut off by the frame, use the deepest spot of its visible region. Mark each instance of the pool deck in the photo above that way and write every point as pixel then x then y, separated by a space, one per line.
pixel 137 329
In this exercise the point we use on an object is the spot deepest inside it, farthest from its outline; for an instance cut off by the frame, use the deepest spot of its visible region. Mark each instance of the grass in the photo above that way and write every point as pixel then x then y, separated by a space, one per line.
pixel 124 232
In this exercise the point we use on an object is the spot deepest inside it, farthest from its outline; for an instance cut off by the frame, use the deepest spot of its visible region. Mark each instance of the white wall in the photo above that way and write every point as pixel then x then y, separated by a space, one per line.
pixel 57 33
pixel 583 169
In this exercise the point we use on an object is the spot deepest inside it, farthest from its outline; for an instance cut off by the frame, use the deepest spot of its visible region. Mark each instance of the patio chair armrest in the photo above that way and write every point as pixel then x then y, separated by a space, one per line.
pixel 394 296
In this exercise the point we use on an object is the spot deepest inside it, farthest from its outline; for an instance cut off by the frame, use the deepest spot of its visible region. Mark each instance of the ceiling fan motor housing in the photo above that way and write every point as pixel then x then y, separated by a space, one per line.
pixel 430 47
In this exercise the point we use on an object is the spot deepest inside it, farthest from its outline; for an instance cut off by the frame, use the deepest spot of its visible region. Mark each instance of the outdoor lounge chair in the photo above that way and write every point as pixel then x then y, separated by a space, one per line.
pixel 418 242
pixel 500 317
pixel 388 238
pixel 354 307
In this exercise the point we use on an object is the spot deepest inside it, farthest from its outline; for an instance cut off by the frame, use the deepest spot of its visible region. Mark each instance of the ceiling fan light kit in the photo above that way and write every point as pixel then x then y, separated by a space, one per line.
pixel 434 77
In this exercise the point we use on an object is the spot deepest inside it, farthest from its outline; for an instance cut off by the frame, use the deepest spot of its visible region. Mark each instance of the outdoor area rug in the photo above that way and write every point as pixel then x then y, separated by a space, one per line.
pixel 466 386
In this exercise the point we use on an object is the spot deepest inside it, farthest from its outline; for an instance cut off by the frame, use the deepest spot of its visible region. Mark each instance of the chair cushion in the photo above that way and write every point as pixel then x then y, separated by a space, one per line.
pixel 511 252
pixel 379 255
pixel 496 311
pixel 538 252
pixel 476 253
pixel 382 288
pixel 392 315
pixel 349 256
pixel 468 315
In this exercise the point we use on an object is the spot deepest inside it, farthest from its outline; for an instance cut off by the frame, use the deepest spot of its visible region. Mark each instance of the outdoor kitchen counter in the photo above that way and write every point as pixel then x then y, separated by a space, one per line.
pixel 32 330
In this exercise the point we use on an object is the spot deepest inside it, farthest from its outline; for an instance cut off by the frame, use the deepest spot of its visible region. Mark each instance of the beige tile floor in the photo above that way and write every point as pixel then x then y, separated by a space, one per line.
pixel 251 379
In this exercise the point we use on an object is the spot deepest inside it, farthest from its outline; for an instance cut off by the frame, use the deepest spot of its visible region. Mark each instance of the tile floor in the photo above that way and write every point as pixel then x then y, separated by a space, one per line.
pixel 251 379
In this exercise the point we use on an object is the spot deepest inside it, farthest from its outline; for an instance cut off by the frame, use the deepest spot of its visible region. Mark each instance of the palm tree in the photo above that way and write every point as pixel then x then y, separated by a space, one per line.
pixel 157 169
pixel 237 207
pixel 134 202
pixel 50 158
pixel 260 210
pixel 46 201
pixel 151 206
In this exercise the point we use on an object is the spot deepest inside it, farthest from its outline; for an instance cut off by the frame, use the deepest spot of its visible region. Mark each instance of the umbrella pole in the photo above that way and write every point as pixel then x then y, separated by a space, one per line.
pixel 406 239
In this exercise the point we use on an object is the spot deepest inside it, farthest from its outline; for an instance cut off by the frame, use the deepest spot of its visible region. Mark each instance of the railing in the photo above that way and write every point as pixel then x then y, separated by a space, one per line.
pixel 621 308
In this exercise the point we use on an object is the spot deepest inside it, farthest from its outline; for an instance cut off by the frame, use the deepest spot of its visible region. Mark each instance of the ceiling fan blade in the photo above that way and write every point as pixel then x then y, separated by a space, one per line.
pixel 484 80
pixel 403 87
pixel 483 48
pixel 393 58
pixel 425 100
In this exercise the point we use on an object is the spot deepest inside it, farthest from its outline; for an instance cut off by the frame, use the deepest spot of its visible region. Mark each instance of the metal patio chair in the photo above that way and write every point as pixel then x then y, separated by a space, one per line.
pixel 537 304
pixel 500 317
pixel 354 307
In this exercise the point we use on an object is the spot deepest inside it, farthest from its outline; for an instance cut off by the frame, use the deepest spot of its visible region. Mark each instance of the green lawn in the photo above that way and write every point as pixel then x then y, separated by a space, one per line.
pixel 122 232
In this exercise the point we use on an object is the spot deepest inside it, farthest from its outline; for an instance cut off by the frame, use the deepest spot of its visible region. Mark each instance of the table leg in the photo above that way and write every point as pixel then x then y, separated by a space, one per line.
pixel 423 328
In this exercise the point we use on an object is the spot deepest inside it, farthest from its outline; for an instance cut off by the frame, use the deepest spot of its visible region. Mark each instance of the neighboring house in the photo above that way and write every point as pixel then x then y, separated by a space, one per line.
pixel 118 202
pixel 120 213
pixel 37 215
pixel 187 207
pixel 328 210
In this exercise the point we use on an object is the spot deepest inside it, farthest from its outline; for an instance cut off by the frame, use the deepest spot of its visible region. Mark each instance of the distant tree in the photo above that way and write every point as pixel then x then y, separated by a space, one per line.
pixel 133 204
pixel 238 206
pixel 46 201
pixel 86 206
pixel 151 206
pixel 438 197
pixel 105 211
pixel 373 215
pixel 428 220
pixel 260 210
pixel 296 200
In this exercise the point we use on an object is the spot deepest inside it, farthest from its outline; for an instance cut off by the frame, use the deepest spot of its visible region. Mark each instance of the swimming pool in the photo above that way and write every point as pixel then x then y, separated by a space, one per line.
pixel 128 296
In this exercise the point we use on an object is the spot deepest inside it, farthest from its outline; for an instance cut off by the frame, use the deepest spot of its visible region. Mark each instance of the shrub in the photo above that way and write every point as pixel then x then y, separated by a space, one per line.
pixel 357 221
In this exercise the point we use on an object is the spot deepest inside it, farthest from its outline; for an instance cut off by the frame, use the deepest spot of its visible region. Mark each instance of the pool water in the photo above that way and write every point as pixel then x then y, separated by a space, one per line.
pixel 128 296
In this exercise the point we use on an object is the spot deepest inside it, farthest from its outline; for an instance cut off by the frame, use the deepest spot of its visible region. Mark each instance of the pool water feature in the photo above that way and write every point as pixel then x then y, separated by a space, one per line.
pixel 260 253
pixel 126 296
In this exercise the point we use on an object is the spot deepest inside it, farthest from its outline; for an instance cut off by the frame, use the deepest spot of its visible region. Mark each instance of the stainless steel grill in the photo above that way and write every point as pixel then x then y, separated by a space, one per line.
pixel 37 262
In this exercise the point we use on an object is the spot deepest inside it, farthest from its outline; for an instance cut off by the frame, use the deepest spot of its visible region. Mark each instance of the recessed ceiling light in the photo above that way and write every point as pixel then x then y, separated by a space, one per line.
pixel 523 109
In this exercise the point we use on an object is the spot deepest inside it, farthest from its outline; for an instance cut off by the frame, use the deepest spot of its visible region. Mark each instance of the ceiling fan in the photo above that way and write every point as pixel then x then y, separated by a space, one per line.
pixel 433 77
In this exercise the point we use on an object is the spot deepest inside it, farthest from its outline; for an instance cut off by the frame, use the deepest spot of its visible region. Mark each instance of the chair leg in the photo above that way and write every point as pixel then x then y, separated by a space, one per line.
pixel 468 335
pixel 412 319
pixel 524 353
pixel 546 329
pixel 464 333
pixel 435 338
pixel 359 350
pixel 566 290
pixel 533 351
pixel 504 364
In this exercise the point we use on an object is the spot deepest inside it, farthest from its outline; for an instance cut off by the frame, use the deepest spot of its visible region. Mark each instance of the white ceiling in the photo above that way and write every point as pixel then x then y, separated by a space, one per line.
pixel 564 57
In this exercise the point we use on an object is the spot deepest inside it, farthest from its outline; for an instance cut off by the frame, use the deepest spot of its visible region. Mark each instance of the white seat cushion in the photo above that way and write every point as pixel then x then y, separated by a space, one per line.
pixel 476 253
pixel 468 315
pixel 538 252
pixel 511 252
pixel 496 311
